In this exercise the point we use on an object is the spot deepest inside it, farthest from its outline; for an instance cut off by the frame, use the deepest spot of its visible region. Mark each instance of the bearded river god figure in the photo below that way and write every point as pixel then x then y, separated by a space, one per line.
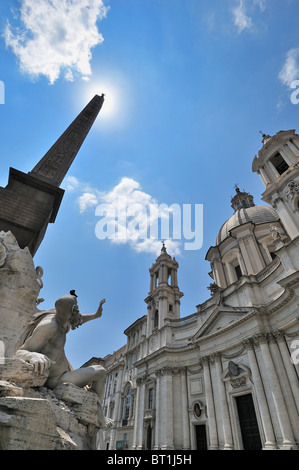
pixel 42 345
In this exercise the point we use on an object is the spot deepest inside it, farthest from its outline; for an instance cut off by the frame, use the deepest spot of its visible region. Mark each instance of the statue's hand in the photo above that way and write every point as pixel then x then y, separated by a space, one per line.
pixel 108 423
pixel 100 309
pixel 40 362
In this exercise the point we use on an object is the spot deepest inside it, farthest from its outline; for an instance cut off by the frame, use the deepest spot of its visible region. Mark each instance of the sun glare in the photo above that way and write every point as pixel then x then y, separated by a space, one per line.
pixel 111 104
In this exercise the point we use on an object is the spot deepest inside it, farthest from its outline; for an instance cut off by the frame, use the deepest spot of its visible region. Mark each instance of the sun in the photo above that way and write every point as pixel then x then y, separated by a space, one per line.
pixel 110 108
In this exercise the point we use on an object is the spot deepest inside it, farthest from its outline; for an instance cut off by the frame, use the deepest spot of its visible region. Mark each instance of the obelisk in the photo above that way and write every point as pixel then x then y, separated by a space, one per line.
pixel 30 201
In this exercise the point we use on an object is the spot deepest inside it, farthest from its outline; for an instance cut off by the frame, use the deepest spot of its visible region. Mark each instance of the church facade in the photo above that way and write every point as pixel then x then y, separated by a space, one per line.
pixel 225 377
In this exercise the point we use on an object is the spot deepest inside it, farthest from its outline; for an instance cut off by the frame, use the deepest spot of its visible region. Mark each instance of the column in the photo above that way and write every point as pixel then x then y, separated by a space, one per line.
pixel 112 443
pixel 290 370
pixel 287 155
pixel 248 261
pixel 230 273
pixel 167 409
pixel 265 178
pixel 227 432
pixel 270 441
pixel 212 425
pixel 185 412
pixel 158 412
pixel 256 253
pixel 175 277
pixel 150 311
pixel 135 433
pixel 152 286
pixel 138 438
pixel 286 390
pixel 218 270
pixel 278 399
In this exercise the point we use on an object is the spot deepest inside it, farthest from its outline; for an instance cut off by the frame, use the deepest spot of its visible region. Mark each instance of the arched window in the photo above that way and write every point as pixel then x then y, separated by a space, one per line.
pixel 127 405
pixel 279 163
pixel 156 319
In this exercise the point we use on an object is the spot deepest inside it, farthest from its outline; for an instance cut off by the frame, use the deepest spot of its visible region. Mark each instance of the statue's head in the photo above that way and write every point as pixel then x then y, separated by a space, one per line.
pixel 67 308
pixel 66 305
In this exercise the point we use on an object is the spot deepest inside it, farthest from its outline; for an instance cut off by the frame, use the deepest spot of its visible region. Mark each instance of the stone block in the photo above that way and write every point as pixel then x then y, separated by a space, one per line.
pixel 83 402
pixel 26 424
pixel 8 389
pixel 70 393
pixel 21 373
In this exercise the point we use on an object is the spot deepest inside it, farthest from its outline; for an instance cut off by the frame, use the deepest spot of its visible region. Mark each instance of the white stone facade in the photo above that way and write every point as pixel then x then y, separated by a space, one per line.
pixel 224 377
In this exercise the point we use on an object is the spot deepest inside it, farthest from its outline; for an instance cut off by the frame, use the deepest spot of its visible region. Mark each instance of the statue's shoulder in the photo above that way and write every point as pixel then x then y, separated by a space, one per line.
pixel 40 322
pixel 46 321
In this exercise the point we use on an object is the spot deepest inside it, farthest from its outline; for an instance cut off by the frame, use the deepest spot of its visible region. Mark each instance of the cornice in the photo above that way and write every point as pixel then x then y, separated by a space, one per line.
pixel 267 310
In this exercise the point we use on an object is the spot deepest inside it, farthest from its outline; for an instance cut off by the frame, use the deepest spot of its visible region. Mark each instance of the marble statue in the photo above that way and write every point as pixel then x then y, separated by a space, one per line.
pixel 42 345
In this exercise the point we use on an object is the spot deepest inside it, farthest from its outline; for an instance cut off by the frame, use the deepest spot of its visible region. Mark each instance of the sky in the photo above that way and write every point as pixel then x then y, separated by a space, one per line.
pixel 189 85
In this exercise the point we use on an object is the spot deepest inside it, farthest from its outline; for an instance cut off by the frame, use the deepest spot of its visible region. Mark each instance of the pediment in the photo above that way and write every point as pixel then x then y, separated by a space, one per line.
pixel 221 318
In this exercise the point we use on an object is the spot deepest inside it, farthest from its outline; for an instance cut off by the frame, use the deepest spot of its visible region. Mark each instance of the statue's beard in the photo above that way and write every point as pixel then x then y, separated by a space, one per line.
pixel 76 320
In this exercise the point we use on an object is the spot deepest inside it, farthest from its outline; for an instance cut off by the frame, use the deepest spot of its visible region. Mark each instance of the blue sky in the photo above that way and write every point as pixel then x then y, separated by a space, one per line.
pixel 189 84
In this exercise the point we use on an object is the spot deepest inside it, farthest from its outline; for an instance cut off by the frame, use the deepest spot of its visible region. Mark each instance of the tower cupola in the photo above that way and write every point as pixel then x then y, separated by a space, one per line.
pixel 277 164
pixel 241 200
pixel 164 296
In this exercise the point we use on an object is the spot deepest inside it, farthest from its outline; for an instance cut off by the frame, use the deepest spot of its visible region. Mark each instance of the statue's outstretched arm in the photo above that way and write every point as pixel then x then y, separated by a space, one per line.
pixel 93 316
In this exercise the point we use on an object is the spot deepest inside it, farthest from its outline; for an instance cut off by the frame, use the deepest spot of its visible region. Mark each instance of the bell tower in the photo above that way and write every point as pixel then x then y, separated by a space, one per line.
pixel 277 164
pixel 163 301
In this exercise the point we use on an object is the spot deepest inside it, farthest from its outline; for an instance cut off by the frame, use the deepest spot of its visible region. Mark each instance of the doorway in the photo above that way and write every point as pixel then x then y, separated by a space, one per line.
pixel 248 423
pixel 201 437
pixel 149 438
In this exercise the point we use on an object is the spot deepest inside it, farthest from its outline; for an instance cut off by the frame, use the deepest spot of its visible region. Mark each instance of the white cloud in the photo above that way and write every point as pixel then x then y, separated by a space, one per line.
pixel 290 69
pixel 89 196
pixel 241 19
pixel 72 183
pixel 261 4
pixel 244 11
pixel 151 245
pixel 56 35
pixel 128 198
pixel 131 214
pixel 87 200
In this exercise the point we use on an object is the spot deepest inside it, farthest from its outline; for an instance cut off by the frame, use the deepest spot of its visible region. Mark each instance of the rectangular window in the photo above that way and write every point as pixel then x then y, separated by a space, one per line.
pixel 238 271
pixel 150 398
pixel 122 408
pixel 132 405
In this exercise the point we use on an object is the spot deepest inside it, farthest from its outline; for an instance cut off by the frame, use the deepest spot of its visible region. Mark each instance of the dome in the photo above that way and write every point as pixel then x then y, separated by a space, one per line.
pixel 254 214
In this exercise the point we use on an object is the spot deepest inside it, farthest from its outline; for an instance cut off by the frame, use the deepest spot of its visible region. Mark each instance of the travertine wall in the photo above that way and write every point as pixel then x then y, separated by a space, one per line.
pixel 20 284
